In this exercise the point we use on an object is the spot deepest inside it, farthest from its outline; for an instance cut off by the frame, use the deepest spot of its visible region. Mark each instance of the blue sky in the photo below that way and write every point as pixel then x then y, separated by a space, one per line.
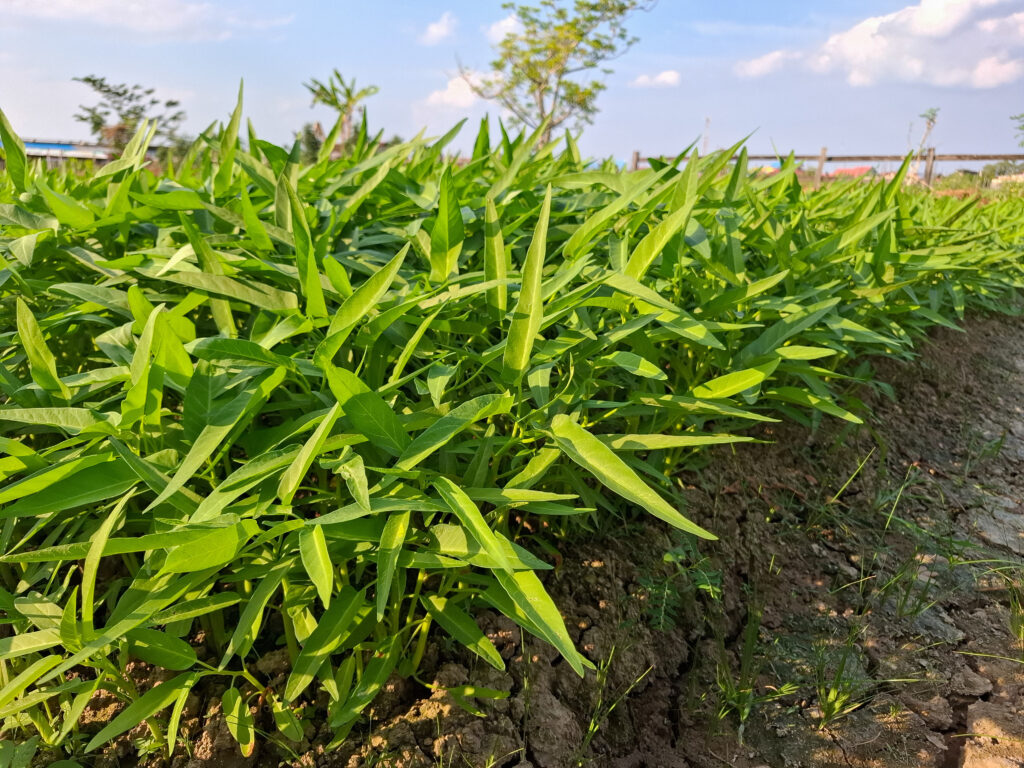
pixel 852 75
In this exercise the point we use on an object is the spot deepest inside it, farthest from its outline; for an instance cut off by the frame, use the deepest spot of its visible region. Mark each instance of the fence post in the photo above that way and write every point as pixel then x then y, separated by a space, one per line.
pixel 634 165
pixel 929 166
pixel 821 167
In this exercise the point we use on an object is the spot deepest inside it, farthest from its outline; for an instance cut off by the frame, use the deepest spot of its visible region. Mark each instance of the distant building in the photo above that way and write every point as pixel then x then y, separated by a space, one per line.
pixel 56 152
pixel 1004 181
pixel 852 173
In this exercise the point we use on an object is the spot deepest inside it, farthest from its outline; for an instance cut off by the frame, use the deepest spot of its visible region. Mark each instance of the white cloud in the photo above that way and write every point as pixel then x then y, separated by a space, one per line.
pixel 457 94
pixel 1012 24
pixel 667 79
pixel 439 30
pixel 952 43
pixel 764 65
pixel 499 30
pixel 455 100
pixel 178 19
pixel 993 71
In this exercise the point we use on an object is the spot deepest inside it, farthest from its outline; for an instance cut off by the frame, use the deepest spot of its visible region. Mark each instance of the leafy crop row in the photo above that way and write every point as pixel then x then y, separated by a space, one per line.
pixel 251 404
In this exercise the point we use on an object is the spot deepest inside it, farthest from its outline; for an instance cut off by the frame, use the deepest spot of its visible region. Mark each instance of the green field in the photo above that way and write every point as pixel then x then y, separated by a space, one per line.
pixel 337 408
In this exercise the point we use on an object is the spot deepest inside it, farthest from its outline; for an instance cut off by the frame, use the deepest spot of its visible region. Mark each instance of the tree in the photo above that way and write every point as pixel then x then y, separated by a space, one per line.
pixel 930 116
pixel 311 138
pixel 538 74
pixel 342 97
pixel 123 107
pixel 1001 168
pixel 1019 120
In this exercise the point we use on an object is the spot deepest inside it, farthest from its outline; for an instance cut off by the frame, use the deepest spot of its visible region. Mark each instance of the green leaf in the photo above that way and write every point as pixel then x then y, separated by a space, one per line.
pixel 14 154
pixel 211 550
pixel 211 278
pixel 391 542
pixel 222 422
pixel 143 598
pixel 328 634
pixel 784 329
pixel 239 720
pixel 438 377
pixel 802 352
pixel 292 477
pixel 152 701
pixel 581 239
pixel 612 472
pixel 41 362
pixel 201 606
pixel 460 626
pixel 228 145
pixel 250 292
pixel 177 710
pixel 305 256
pixel 666 442
pixel 526 317
pixel 802 397
pixel 253 226
pixel 447 234
pixel 448 426
pixel 633 363
pixel 24 248
pixel 364 191
pixel 252 615
pixel 226 352
pixel 529 596
pixel 26 677
pixel 362 301
pixel 353 472
pixel 317 561
pixel 285 720
pixel 69 212
pixel 737 381
pixel 72 420
pixel 28 642
pixel 469 515
pixel 372 418
pixel 132 155
pixel 90 569
pixel 41 613
pixel 372 680
pixel 87 486
pixel 184 500
pixel 648 249
pixel 495 260
pixel 175 200
pixel 161 649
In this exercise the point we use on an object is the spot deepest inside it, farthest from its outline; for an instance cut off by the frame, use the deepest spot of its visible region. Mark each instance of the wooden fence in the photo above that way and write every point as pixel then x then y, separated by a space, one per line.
pixel 929 156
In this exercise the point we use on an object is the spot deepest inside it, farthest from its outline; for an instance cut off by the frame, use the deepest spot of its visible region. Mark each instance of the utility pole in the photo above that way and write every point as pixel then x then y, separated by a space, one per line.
pixel 929 166
pixel 707 136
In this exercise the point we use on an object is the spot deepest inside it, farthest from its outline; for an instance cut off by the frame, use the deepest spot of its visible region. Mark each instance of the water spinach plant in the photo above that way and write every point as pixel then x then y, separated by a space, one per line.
pixel 252 405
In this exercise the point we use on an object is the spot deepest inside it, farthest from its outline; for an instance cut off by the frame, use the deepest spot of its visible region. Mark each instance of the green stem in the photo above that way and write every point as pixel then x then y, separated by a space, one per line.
pixel 421 645
pixel 289 632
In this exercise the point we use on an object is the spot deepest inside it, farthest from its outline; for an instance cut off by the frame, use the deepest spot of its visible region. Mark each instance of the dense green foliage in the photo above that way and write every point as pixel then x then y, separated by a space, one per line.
pixel 254 403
